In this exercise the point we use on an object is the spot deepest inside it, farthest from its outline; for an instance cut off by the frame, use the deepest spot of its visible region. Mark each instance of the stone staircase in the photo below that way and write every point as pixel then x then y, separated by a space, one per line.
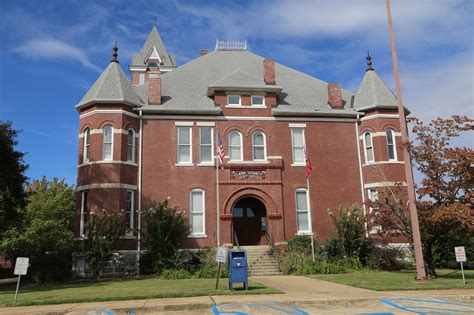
pixel 261 262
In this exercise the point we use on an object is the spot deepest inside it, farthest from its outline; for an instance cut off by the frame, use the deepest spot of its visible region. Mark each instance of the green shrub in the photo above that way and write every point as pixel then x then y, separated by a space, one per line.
pixel 292 260
pixel 388 259
pixel 300 243
pixel 209 272
pixel 173 274
pixel 334 248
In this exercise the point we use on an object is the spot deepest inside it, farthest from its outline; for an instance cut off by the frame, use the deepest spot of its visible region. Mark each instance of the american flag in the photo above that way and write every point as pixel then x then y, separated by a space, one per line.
pixel 220 152
pixel 309 167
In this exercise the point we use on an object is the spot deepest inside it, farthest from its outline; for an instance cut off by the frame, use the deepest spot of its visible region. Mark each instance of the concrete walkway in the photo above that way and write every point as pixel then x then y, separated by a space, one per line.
pixel 312 295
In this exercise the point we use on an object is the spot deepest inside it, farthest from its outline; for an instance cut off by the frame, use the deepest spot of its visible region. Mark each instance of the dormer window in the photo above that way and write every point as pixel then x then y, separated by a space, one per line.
pixel 258 100
pixel 233 100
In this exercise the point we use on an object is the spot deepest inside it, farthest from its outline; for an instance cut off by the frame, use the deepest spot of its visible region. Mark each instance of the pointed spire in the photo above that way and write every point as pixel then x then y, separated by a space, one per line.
pixel 369 62
pixel 115 54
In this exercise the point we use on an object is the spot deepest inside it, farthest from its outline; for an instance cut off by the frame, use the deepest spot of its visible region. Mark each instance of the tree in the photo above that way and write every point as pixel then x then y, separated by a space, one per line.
pixel 100 243
pixel 12 179
pixel 165 231
pixel 45 232
pixel 443 192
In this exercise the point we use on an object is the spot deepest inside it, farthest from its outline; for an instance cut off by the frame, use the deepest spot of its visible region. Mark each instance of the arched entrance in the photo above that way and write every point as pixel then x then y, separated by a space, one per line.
pixel 247 216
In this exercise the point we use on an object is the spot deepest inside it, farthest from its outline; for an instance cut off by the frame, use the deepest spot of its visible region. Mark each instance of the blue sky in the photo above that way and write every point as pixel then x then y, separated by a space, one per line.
pixel 52 51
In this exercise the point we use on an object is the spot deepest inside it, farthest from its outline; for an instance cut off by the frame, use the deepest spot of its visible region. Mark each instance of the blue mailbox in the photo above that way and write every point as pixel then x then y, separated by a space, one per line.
pixel 238 268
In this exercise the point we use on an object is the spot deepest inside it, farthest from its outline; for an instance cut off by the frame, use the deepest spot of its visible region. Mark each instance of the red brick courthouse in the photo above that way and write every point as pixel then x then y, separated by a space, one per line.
pixel 155 137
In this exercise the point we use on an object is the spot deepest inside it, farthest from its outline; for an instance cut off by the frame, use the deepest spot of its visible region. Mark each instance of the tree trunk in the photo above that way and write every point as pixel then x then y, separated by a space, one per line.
pixel 429 264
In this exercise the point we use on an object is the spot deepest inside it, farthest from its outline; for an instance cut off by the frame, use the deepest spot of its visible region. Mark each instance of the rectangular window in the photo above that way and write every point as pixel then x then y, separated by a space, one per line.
pixel 206 144
pixel 184 145
pixel 197 212
pixel 369 150
pixel 131 146
pixel 233 100
pixel 141 78
pixel 298 143
pixel 107 145
pixel 84 213
pixel 302 211
pixel 258 100
pixel 129 202
pixel 87 142
pixel 373 196
pixel 392 155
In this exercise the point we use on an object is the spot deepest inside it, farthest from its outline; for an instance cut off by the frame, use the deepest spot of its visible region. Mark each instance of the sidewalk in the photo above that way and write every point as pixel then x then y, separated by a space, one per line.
pixel 299 291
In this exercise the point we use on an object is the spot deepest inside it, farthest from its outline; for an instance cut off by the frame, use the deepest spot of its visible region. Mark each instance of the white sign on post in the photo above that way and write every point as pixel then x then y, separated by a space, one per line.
pixel 460 254
pixel 221 255
pixel 21 266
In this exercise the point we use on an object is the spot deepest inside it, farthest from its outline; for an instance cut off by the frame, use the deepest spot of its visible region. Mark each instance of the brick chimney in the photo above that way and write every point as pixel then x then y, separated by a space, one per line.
pixel 203 52
pixel 269 71
pixel 154 87
pixel 335 95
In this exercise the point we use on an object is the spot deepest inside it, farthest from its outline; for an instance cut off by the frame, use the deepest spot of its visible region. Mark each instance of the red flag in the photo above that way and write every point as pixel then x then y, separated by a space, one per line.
pixel 220 152
pixel 309 167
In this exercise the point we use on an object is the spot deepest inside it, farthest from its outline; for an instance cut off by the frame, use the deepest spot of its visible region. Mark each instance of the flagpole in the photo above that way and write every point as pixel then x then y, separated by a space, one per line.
pixel 311 217
pixel 217 191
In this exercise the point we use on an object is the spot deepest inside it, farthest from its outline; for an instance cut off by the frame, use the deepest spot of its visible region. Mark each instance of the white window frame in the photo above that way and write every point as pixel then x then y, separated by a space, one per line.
pixel 378 228
pixel 303 162
pixel 141 78
pixel 87 143
pixel 308 204
pixel 394 145
pixel 129 231
pixel 241 146
pixel 82 224
pixel 178 161
pixel 257 105
pixel 191 212
pixel 211 162
pixel 132 145
pixel 232 105
pixel 111 158
pixel 264 146
pixel 371 147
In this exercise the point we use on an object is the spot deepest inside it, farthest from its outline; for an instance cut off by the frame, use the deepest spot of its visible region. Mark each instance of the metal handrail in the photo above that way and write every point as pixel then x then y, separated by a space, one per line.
pixel 236 240
pixel 273 250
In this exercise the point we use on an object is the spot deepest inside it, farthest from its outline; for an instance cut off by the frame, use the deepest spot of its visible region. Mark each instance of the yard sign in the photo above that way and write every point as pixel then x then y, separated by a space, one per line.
pixel 21 268
pixel 460 257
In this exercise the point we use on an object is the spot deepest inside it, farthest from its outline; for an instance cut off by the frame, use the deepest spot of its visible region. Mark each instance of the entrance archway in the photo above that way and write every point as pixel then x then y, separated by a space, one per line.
pixel 247 216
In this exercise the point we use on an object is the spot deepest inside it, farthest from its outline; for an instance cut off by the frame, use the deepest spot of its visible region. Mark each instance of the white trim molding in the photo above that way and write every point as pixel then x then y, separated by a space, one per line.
pixel 383 162
pixel 381 134
pixel 116 131
pixel 384 184
pixel 107 185
pixel 243 118
pixel 184 123
pixel 108 162
pixel 205 124
pixel 389 116
pixel 108 111
pixel 296 125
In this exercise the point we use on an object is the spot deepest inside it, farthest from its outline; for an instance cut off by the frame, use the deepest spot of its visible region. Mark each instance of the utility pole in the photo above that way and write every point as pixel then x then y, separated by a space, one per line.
pixel 420 264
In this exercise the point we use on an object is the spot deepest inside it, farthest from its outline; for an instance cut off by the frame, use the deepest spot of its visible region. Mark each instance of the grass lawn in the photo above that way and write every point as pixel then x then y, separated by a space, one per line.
pixel 38 294
pixel 401 280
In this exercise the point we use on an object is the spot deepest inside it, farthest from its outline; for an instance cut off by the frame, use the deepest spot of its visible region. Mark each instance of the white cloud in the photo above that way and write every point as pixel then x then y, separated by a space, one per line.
pixel 53 49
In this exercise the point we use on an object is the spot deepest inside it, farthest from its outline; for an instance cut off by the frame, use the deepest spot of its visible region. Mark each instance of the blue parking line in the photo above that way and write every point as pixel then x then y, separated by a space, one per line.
pixel 297 311
pixel 414 309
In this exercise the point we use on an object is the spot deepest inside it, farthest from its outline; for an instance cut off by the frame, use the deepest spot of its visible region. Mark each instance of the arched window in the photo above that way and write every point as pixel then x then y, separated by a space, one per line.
pixel 131 146
pixel 87 143
pixel 258 146
pixel 235 146
pixel 369 149
pixel 108 143
pixel 303 217
pixel 391 146
pixel 197 212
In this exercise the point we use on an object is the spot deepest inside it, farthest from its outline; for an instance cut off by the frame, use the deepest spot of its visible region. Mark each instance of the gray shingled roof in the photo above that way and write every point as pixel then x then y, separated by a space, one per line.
pixel 373 92
pixel 185 88
pixel 111 86
pixel 239 80
pixel 154 39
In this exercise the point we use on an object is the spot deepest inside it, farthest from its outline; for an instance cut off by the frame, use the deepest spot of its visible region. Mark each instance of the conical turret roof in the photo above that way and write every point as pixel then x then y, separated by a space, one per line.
pixel 373 92
pixel 111 86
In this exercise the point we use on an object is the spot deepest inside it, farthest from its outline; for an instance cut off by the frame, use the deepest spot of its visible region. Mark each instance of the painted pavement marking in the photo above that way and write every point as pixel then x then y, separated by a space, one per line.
pixel 257 308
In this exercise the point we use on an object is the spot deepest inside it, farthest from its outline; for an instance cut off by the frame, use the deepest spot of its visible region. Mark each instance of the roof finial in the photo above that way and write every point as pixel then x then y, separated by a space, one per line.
pixel 154 21
pixel 369 62
pixel 115 54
